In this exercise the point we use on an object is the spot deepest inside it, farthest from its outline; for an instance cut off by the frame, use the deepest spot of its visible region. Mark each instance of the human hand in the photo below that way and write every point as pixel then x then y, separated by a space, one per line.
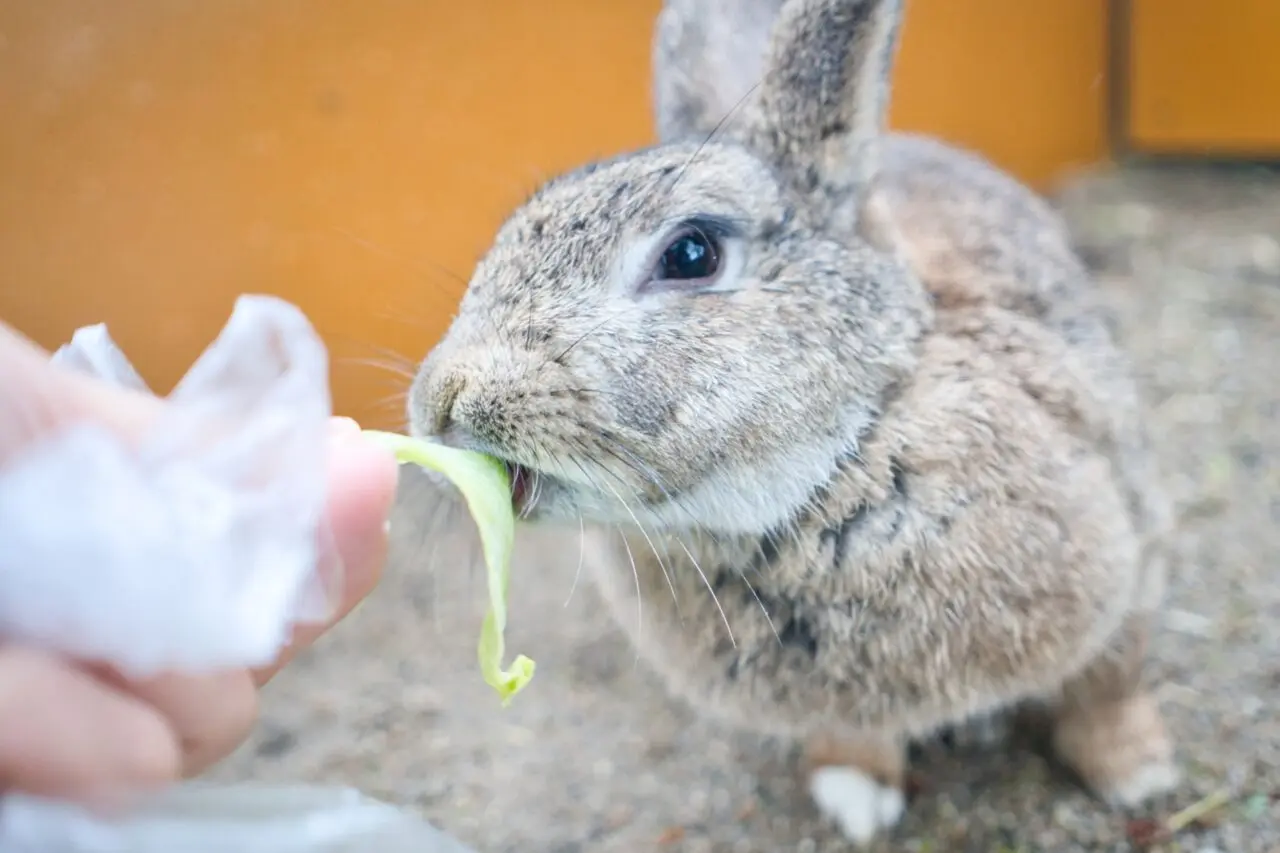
pixel 82 732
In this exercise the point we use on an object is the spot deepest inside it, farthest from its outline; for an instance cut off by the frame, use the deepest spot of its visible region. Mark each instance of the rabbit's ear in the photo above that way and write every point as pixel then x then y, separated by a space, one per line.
pixel 708 55
pixel 821 107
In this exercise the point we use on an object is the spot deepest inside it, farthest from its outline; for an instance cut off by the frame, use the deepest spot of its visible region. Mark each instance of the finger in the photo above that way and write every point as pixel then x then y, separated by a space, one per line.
pixel 211 715
pixel 362 488
pixel 66 735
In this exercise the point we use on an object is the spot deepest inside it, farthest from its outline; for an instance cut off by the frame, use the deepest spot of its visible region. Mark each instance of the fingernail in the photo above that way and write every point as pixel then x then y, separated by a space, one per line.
pixel 343 427
pixel 349 435
pixel 346 435
pixel 371 452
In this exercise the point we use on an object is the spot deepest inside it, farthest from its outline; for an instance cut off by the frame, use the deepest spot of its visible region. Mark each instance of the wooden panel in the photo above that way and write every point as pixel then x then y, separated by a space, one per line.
pixel 1025 83
pixel 1204 78
pixel 159 158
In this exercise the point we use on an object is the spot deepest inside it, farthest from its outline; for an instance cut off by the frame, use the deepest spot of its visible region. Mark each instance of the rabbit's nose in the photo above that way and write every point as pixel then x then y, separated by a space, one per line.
pixel 443 422
pixel 442 407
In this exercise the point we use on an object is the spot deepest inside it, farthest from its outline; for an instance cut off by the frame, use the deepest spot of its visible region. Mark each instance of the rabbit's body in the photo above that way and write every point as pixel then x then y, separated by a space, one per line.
pixel 881 469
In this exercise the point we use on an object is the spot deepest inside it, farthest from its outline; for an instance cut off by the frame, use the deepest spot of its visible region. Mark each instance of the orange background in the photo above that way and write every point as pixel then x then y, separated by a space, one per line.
pixel 159 158
pixel 1204 77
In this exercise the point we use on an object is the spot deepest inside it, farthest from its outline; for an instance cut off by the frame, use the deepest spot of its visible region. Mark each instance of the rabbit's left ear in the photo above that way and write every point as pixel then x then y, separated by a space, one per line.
pixel 821 108
pixel 708 55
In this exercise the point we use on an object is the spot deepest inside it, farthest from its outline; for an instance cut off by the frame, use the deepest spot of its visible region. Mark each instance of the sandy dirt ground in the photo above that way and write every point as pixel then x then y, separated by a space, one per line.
pixel 595 757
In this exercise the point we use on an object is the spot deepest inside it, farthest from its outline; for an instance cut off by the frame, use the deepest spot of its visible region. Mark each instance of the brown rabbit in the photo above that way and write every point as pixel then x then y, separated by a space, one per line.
pixel 858 454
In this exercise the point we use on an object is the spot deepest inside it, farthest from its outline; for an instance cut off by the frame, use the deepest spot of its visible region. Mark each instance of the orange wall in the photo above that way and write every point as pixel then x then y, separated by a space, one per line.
pixel 1204 80
pixel 1022 81
pixel 158 158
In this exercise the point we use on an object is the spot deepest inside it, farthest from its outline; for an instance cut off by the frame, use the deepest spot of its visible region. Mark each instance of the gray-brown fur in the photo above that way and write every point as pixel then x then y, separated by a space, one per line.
pixel 890 473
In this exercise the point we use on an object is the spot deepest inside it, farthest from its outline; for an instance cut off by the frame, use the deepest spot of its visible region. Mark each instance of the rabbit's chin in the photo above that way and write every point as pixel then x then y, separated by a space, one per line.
pixel 541 498
pixel 736 500
pixel 544 499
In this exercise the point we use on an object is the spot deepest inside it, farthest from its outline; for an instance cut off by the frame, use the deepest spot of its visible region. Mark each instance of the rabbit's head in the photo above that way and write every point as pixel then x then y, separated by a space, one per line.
pixel 692 336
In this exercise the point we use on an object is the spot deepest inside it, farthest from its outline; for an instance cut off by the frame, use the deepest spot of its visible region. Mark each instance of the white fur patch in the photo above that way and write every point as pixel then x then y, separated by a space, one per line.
pixel 1147 781
pixel 750 499
pixel 858 804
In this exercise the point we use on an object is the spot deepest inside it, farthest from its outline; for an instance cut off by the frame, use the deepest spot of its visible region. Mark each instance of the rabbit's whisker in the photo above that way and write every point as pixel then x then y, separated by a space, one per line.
pixel 767 617
pixel 582 557
pixel 432 268
pixel 657 481
pixel 652 547
pixel 724 617
pixel 720 125
pixel 398 370
pixel 389 355
pixel 439 520
pixel 680 505
pixel 438 297
pixel 596 391
pixel 391 402
pixel 588 333
pixel 635 573
pixel 705 293
pixel 635 519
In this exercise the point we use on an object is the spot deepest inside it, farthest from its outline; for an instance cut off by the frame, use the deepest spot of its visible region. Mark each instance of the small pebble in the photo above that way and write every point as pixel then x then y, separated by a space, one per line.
pixel 1265 254
pixel 1186 622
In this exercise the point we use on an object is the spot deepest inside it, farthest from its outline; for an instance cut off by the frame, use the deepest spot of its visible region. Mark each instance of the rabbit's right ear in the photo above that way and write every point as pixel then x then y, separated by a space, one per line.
pixel 820 110
pixel 708 55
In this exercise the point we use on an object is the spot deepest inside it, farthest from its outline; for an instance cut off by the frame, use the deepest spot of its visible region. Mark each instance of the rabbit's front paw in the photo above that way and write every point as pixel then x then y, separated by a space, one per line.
pixel 1158 776
pixel 857 803
pixel 855 779
pixel 1121 749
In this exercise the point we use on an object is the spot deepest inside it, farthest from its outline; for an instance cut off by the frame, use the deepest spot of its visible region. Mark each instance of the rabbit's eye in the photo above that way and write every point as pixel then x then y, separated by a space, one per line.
pixel 693 255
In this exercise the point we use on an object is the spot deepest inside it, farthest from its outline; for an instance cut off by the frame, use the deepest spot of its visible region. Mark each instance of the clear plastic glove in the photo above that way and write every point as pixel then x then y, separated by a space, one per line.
pixel 178 552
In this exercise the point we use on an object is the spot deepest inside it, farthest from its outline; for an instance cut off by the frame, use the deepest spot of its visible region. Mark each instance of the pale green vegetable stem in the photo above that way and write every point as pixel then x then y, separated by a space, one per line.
pixel 484 484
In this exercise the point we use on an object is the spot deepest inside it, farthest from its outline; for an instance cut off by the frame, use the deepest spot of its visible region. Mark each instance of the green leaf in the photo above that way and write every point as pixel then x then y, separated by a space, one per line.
pixel 487 490
pixel 1256 806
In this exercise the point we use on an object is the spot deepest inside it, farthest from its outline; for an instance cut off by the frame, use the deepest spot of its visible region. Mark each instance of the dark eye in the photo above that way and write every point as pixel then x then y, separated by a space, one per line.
pixel 695 254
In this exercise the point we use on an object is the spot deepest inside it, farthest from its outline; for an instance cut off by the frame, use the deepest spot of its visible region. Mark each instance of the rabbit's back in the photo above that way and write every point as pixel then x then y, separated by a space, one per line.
pixel 977 236
pixel 999 264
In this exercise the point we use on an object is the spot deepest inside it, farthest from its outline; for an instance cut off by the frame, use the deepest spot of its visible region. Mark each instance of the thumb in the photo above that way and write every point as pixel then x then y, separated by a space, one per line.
pixel 37 397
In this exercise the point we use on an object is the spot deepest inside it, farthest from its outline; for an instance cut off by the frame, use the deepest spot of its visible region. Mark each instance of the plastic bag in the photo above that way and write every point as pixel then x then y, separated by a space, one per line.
pixel 247 818
pixel 195 548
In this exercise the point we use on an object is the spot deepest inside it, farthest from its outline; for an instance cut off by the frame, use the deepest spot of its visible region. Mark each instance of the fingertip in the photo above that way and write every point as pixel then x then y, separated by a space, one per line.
pixel 360 462
pixel 154 749
pixel 363 478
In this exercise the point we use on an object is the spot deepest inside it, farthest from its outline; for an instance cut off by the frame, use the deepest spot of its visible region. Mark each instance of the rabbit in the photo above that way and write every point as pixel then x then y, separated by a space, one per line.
pixel 855 450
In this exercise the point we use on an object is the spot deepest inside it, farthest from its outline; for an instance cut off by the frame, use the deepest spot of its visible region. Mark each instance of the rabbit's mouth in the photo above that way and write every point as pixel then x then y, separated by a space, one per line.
pixel 542 497
pixel 521 481
pixel 528 486
pixel 537 496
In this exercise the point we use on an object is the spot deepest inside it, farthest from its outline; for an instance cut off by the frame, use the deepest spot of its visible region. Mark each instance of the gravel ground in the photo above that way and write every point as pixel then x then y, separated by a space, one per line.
pixel 594 757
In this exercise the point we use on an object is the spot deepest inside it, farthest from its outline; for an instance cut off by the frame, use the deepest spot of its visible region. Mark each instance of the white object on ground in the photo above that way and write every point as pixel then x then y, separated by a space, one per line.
pixel 858 804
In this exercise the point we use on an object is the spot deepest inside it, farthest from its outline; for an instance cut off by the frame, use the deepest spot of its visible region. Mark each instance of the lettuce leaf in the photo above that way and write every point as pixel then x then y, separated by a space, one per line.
pixel 486 488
